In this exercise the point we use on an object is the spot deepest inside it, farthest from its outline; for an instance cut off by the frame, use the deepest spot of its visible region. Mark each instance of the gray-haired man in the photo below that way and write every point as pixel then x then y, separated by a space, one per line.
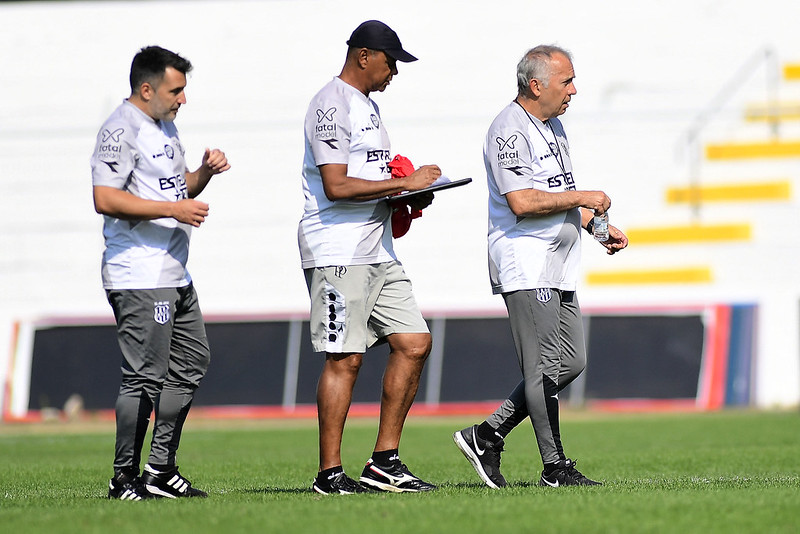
pixel 535 216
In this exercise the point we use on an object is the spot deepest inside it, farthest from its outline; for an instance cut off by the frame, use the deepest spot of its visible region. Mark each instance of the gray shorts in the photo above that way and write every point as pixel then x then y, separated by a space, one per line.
pixel 355 306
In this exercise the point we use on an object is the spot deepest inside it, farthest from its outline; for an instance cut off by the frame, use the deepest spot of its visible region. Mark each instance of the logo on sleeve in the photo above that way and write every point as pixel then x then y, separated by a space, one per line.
pixel 114 136
pixel 110 143
pixel 507 154
pixel 325 129
pixel 325 115
pixel 502 144
pixel 331 143
pixel 112 165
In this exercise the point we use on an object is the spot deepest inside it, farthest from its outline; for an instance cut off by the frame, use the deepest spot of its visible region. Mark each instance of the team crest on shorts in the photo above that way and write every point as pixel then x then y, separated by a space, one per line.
pixel 543 294
pixel 161 312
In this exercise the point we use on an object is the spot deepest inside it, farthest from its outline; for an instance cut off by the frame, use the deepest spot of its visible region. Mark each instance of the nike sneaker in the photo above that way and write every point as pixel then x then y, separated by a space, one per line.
pixel 482 454
pixel 127 488
pixel 337 484
pixel 565 474
pixel 169 484
pixel 395 478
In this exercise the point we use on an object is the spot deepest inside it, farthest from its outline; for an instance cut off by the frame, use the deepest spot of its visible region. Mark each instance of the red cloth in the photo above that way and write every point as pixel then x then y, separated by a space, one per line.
pixel 402 214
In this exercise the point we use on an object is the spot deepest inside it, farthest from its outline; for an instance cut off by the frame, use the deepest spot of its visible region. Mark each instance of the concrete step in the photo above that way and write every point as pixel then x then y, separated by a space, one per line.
pixel 758 149
pixel 769 191
pixel 674 275
pixel 775 112
pixel 791 72
pixel 691 233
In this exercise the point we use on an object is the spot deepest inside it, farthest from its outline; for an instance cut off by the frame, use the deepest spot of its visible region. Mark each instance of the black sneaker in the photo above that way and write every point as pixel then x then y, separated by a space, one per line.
pixel 338 484
pixel 395 478
pixel 169 484
pixel 127 488
pixel 483 455
pixel 565 474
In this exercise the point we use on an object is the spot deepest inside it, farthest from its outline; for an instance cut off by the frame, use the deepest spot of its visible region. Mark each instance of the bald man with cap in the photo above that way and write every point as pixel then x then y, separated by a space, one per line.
pixel 360 294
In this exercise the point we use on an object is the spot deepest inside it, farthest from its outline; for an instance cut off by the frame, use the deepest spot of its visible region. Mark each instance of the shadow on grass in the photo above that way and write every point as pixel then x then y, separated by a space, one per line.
pixel 464 485
pixel 301 491
pixel 267 491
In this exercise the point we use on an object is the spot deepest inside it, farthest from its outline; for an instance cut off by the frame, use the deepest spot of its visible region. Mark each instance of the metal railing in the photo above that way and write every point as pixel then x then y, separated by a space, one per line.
pixel 691 142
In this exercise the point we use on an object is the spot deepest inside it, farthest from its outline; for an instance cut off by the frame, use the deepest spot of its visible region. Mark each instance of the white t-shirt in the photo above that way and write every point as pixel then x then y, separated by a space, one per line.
pixel 144 157
pixel 522 152
pixel 343 126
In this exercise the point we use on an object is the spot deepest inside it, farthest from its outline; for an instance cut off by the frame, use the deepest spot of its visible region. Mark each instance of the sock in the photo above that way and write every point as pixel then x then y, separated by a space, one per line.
pixel 126 474
pixel 385 457
pixel 549 468
pixel 487 433
pixel 326 473
pixel 162 468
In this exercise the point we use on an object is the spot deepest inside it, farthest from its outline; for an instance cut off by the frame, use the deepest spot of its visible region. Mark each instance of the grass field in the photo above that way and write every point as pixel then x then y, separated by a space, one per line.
pixel 722 472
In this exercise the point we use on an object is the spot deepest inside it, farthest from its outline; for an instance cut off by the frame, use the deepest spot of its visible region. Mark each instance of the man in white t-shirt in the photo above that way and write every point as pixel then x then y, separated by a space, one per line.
pixel 146 194
pixel 359 292
pixel 535 216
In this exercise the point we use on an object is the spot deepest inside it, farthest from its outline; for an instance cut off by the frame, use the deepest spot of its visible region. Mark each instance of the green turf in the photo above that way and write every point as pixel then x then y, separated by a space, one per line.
pixel 723 472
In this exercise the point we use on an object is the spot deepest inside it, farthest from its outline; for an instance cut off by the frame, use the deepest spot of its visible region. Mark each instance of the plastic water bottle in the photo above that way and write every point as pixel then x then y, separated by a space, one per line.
pixel 600 228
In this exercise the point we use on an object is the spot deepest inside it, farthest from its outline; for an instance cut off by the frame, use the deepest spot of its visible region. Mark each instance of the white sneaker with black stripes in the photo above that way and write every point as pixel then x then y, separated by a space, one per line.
pixel 127 488
pixel 169 484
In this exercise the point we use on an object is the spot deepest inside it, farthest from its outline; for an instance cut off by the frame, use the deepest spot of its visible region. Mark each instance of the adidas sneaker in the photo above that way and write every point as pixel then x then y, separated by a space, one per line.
pixel 169 484
pixel 126 488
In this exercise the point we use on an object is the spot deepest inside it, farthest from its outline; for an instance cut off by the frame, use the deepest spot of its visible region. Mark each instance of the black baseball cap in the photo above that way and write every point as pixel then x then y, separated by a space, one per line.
pixel 376 35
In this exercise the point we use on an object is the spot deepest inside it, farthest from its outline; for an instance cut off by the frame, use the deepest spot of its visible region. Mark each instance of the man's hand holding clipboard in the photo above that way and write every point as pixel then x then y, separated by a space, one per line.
pixel 440 184
pixel 408 205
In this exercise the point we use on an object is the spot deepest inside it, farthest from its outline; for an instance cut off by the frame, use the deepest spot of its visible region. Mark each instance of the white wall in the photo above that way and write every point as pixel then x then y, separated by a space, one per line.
pixel 644 71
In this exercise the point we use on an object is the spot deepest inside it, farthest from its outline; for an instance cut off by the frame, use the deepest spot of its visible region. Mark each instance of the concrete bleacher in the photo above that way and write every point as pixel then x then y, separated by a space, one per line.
pixel 723 234
pixel 738 231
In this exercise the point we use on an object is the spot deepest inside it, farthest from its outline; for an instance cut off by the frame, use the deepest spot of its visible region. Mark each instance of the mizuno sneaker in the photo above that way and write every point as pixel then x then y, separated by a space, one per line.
pixel 565 474
pixel 169 484
pixel 483 455
pixel 337 484
pixel 127 488
pixel 395 478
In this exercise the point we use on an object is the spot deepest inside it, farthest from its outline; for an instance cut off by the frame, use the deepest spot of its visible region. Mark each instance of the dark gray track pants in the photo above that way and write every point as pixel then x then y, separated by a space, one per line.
pixel 548 335
pixel 165 355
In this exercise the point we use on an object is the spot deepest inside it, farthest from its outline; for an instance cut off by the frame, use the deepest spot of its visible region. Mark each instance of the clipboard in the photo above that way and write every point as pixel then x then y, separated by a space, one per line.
pixel 430 189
